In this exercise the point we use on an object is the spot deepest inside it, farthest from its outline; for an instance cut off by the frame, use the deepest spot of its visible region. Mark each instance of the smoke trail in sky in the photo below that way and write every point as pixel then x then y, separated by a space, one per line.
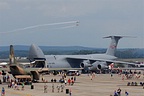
pixel 35 26
pixel 64 27
pixel 67 27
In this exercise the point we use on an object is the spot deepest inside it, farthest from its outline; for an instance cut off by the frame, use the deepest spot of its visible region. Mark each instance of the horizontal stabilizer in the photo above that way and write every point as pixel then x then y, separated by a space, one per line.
pixel 119 36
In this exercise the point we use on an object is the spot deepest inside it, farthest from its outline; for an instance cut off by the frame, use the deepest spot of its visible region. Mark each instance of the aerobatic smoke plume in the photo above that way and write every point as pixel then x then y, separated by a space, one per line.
pixel 42 25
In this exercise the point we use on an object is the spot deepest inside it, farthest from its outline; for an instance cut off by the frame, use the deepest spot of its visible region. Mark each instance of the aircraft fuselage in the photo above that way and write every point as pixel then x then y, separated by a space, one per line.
pixel 73 61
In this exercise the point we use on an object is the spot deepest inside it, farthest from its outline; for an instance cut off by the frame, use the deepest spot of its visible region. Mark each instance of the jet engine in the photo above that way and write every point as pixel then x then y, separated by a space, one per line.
pixel 98 65
pixel 85 64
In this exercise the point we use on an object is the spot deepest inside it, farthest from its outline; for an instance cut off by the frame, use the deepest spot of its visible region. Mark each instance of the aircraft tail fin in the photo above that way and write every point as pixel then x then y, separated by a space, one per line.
pixel 37 56
pixel 35 53
pixel 12 59
pixel 113 45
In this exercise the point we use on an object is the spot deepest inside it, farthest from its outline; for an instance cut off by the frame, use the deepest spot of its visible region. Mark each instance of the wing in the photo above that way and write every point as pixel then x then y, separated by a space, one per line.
pixel 101 60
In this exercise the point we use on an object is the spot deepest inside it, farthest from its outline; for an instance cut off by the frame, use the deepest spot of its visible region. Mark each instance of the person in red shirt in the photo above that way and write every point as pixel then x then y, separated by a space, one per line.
pixel 69 81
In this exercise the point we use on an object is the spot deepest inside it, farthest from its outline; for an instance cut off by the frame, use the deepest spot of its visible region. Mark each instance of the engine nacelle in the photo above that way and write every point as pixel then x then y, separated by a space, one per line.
pixel 98 65
pixel 102 66
pixel 85 64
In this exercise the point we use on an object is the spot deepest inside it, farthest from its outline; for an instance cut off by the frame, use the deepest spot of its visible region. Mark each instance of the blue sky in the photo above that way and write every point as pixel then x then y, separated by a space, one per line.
pixel 98 18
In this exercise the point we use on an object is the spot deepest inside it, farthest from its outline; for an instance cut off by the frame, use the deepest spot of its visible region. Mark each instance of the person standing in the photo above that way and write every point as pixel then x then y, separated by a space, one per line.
pixel 111 74
pixel 123 76
pixel 58 88
pixel 45 88
pixel 62 88
pixel 70 93
pixel 72 82
pixel 22 86
pixel 119 92
pixel 126 93
pixel 65 81
pixel 69 81
pixel 115 93
pixel 74 78
pixel 3 92
pixel 53 88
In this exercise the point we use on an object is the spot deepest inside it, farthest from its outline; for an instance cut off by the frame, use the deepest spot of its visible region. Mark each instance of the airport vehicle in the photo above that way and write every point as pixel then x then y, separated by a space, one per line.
pixel 73 73
pixel 140 64
pixel 88 62
pixel 3 64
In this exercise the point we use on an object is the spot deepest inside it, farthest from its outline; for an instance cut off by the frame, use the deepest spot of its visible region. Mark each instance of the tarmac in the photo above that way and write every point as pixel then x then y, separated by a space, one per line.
pixel 100 85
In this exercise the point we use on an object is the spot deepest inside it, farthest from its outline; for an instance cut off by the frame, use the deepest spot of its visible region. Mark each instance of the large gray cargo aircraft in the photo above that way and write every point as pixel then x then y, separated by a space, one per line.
pixel 87 62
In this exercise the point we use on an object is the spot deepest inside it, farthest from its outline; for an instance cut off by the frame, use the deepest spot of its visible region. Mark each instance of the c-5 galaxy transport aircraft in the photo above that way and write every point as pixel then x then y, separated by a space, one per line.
pixel 88 62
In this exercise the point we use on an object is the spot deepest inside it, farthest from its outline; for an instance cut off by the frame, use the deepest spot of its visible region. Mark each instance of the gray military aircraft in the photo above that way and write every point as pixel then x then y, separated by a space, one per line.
pixel 88 62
